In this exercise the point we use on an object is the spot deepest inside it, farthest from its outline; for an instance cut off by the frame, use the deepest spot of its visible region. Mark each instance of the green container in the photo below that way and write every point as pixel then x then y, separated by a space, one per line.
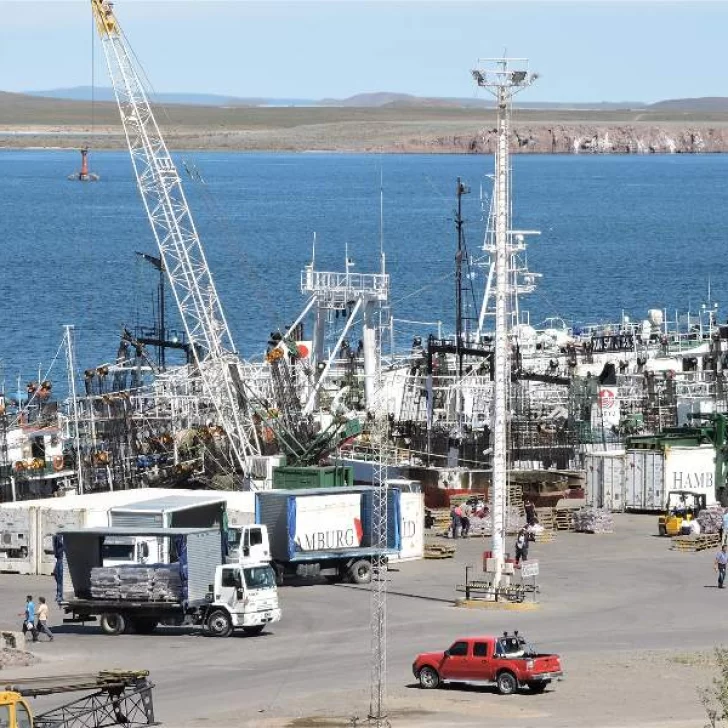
pixel 323 476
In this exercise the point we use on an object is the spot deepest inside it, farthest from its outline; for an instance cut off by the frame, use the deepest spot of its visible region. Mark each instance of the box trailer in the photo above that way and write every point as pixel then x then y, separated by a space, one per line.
pixel 325 532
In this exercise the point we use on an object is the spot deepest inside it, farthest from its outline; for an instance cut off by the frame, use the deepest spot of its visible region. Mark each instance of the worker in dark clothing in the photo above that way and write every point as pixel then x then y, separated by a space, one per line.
pixel 530 513
pixel 522 546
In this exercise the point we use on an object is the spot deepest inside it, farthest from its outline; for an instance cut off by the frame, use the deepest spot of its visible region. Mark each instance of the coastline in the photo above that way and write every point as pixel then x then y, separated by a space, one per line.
pixel 380 131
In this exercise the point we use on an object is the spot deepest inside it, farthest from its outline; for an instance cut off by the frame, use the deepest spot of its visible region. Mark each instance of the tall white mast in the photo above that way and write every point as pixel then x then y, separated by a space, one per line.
pixel 498 76
pixel 179 244
pixel 71 369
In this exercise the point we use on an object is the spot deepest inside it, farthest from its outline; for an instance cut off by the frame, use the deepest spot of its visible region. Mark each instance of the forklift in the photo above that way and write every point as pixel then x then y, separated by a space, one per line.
pixel 113 698
pixel 682 507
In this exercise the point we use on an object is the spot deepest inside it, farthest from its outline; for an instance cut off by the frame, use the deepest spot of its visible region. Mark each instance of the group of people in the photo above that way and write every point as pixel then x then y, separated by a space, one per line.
pixel 460 516
pixel 36 621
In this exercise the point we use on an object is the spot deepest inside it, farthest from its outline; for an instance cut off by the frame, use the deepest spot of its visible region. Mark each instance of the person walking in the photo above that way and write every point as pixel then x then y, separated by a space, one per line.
pixel 29 618
pixel 521 546
pixel 456 516
pixel 724 529
pixel 721 559
pixel 43 619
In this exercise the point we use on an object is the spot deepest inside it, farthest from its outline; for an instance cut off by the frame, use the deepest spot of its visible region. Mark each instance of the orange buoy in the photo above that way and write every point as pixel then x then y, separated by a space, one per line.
pixel 57 462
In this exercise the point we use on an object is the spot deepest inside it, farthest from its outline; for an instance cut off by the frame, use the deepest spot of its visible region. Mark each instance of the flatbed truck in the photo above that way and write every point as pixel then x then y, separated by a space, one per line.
pixel 219 598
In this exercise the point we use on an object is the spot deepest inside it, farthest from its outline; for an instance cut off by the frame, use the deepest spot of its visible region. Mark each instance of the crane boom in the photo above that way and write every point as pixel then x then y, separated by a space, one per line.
pixel 179 244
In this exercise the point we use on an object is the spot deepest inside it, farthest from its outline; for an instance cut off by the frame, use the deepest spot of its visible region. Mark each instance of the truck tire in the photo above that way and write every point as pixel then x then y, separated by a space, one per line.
pixel 252 631
pixel 360 572
pixel 144 625
pixel 218 623
pixel 507 683
pixel 538 687
pixel 428 677
pixel 112 623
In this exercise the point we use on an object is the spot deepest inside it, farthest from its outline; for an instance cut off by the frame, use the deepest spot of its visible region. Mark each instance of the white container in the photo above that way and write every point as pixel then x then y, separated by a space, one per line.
pixel 652 474
pixel 17 540
pixel 605 480
pixel 645 480
pixel 412 526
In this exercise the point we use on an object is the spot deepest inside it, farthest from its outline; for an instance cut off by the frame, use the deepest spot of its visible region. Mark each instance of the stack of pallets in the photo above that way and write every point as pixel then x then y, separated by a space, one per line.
pixel 564 519
pixel 439 550
pixel 546 518
pixel 515 497
pixel 700 542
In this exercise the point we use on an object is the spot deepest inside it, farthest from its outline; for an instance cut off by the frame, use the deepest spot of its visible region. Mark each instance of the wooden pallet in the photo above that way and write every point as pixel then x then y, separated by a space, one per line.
pixel 545 536
pixel 439 550
pixel 546 518
pixel 700 542
pixel 564 520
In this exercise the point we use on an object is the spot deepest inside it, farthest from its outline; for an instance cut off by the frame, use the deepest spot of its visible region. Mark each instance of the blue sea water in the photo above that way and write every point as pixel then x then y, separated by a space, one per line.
pixel 619 234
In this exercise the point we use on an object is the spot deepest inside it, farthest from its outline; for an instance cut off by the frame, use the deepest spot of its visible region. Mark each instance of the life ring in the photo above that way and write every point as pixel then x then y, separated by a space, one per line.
pixel 57 462
pixel 19 465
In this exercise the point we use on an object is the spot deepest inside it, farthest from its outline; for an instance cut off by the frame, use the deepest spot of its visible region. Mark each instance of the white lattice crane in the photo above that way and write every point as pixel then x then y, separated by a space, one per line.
pixel 179 245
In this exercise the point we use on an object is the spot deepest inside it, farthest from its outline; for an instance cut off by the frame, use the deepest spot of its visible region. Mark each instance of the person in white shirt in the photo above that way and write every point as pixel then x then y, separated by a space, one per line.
pixel 43 619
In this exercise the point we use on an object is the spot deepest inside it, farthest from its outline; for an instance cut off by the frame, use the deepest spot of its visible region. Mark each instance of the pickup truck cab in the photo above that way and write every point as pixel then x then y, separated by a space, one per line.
pixel 507 661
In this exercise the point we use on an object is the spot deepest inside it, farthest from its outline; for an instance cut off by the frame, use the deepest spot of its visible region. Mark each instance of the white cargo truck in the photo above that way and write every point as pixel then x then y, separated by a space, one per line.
pixel 218 598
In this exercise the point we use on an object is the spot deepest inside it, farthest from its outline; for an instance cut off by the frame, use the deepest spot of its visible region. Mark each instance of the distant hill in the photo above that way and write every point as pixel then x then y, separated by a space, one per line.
pixel 379 99
pixel 704 103
pixel 86 93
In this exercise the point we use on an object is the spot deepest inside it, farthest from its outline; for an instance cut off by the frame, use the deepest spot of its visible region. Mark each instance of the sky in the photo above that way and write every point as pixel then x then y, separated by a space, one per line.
pixel 623 50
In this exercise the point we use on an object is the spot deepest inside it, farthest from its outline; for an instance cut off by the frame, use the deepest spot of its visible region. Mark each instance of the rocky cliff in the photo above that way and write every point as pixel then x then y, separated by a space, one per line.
pixel 586 139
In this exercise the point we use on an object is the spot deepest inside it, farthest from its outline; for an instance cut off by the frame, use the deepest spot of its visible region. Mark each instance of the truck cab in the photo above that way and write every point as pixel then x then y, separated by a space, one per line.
pixel 244 597
pixel 122 550
pixel 248 544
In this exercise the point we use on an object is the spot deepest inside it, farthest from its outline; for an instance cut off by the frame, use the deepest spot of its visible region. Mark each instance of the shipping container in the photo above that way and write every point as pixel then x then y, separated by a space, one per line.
pixel 47 516
pixel 328 476
pixel 652 474
pixel 412 526
pixel 605 480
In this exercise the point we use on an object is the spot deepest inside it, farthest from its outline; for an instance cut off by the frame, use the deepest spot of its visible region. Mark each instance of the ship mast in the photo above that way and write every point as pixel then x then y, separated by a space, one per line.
pixel 499 77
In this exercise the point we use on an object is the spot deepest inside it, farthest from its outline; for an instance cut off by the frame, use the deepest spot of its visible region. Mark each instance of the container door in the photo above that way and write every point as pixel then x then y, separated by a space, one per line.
pixel 655 481
pixel 634 471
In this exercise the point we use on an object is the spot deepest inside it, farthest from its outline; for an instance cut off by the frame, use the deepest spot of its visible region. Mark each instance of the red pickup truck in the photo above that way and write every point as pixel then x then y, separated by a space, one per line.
pixel 506 661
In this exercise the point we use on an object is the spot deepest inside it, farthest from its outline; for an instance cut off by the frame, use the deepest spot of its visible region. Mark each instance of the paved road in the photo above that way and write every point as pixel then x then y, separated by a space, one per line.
pixel 630 618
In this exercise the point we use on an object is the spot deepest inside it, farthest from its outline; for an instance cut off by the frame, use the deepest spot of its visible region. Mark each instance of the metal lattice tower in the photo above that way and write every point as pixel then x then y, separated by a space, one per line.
pixel 378 590
pixel 499 77
pixel 179 244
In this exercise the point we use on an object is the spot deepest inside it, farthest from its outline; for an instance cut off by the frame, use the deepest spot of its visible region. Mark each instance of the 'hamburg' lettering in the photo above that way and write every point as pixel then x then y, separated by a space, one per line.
pixel 692 481
pixel 323 540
